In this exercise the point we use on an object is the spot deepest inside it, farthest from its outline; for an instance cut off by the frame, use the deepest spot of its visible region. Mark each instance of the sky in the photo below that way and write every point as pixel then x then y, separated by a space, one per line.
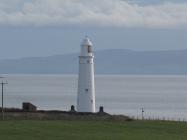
pixel 31 28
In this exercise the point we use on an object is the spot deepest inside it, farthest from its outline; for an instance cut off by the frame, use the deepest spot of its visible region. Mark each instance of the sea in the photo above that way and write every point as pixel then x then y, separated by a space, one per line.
pixel 160 96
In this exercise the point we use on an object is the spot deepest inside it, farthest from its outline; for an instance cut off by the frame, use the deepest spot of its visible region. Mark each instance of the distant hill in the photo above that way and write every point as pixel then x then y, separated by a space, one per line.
pixel 116 61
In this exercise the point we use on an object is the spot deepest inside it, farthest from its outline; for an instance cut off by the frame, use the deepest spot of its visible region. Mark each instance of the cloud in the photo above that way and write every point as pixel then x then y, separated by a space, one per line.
pixel 92 13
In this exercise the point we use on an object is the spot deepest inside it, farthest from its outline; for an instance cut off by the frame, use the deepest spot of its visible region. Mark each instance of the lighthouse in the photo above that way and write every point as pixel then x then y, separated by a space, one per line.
pixel 86 83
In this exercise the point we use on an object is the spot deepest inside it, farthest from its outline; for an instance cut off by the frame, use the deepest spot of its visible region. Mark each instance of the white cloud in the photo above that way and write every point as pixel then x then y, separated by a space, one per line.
pixel 94 12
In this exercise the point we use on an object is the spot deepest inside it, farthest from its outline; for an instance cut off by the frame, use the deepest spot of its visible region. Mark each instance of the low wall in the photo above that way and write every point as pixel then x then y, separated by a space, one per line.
pixel 60 115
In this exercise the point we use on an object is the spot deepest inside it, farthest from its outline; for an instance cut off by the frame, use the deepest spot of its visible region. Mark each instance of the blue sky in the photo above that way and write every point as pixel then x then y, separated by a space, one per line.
pixel 49 27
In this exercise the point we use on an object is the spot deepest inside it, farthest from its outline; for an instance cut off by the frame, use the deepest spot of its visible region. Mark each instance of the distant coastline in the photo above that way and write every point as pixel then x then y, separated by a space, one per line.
pixel 113 61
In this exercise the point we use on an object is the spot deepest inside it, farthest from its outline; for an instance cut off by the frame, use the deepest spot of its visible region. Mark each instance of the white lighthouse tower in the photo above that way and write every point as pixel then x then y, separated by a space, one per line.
pixel 86 84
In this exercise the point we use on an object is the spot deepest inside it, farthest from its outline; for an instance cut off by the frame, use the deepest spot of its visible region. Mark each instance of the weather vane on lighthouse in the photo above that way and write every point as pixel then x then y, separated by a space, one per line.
pixel 86 83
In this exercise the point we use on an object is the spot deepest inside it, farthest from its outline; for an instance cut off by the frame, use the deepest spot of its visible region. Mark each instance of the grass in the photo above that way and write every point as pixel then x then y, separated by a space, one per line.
pixel 92 130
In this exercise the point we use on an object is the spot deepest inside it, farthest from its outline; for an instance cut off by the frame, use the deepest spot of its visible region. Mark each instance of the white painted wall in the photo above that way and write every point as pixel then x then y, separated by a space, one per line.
pixel 86 83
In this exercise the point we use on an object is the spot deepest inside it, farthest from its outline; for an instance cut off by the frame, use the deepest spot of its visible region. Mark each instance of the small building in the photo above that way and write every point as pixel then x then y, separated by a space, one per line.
pixel 72 108
pixel 26 106
pixel 101 109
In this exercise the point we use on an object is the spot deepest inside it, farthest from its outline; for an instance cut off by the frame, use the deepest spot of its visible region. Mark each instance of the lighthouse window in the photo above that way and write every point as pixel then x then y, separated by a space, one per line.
pixel 89 49
pixel 86 90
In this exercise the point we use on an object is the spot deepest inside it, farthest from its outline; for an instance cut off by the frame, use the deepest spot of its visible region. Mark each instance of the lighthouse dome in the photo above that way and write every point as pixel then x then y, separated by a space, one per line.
pixel 86 42
pixel 86 47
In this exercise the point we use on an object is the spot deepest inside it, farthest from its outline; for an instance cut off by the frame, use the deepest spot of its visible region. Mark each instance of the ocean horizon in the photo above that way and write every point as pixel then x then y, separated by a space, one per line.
pixel 161 96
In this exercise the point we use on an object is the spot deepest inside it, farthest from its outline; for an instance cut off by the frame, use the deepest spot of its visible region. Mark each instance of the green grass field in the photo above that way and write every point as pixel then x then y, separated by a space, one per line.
pixel 92 130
